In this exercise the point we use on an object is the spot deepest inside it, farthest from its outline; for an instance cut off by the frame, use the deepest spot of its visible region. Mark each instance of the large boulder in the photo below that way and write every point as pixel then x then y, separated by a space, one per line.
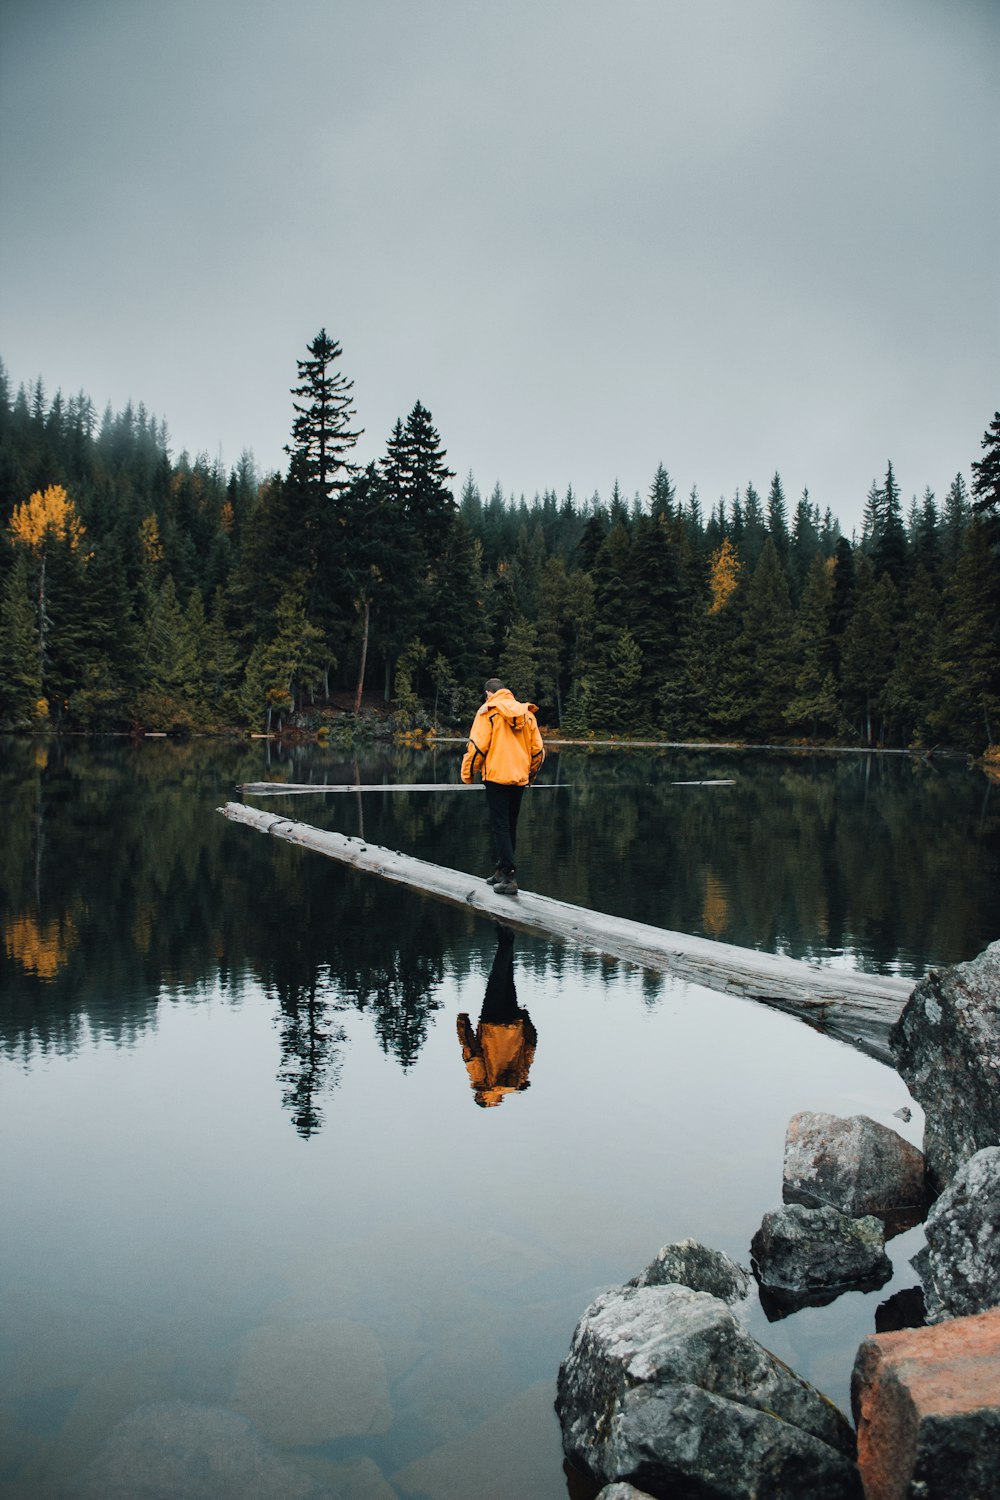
pixel 190 1452
pixel 927 1405
pixel 855 1165
pixel 697 1266
pixel 946 1045
pixel 808 1256
pixel 961 1266
pixel 663 1386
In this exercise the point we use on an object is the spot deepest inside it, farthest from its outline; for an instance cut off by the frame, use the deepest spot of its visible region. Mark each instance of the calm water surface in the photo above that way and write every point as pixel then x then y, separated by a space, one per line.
pixel 255 1221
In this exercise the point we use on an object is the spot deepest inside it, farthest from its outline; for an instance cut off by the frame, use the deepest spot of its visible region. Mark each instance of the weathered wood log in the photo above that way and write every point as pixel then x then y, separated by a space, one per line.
pixel 297 788
pixel 856 1008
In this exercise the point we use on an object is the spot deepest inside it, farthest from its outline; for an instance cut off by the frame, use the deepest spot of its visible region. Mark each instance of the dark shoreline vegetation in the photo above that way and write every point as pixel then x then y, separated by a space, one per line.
pixel 141 593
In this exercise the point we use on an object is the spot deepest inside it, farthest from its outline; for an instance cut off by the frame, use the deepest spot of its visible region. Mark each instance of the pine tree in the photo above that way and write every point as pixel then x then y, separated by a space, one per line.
pixel 764 650
pixel 322 436
pixel 867 652
pixel 815 703
pixel 888 541
pixel 970 651
pixel 20 670
pixel 777 519
pixel 661 494
pixel 986 472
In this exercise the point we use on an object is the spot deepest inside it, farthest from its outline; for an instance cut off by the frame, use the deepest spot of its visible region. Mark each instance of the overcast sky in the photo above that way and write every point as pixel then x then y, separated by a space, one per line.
pixel 731 236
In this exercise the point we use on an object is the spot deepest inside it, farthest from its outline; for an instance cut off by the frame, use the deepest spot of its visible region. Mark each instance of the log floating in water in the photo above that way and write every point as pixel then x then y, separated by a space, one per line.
pixel 296 788
pixel 856 1008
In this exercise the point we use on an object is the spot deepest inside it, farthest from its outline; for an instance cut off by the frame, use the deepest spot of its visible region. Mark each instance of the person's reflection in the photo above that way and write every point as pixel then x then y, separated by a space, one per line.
pixel 498 1053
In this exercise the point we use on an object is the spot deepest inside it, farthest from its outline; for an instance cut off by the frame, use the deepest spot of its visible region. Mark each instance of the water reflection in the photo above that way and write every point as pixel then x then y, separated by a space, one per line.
pixel 499 1053
pixel 120 885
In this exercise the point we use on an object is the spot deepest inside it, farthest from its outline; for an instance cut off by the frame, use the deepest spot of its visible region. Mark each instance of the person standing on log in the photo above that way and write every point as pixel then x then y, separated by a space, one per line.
pixel 506 750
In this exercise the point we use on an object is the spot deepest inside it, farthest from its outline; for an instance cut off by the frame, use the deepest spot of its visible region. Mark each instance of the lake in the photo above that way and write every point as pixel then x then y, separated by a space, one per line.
pixel 254 1219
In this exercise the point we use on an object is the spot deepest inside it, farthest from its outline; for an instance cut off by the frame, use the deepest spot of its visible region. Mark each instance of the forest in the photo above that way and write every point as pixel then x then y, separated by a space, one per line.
pixel 142 592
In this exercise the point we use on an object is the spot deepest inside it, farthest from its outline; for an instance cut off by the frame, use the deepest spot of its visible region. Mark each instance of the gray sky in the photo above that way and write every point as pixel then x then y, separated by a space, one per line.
pixel 731 236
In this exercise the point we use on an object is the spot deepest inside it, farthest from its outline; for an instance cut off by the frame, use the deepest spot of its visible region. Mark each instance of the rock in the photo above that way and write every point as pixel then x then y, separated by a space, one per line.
pixel 696 1266
pixel 309 1383
pixel 488 1462
pixel 854 1165
pixel 927 1405
pixel 946 1045
pixel 809 1256
pixel 190 1453
pixel 961 1266
pixel 623 1492
pixel 648 1364
pixel 682 1440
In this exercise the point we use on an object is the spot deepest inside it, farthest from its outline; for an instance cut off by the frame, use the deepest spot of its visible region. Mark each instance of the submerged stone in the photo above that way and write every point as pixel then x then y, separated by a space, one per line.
pixel 305 1383
pixel 189 1452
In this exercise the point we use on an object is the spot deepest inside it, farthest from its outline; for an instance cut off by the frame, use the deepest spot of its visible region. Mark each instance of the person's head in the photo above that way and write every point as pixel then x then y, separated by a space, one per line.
pixel 493 685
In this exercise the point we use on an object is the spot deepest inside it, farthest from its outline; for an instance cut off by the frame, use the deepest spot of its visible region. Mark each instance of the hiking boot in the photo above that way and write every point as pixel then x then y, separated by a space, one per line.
pixel 505 885
pixel 497 875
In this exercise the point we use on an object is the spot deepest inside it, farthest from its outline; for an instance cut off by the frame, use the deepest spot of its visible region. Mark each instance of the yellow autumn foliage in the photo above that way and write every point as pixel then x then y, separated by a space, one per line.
pixel 47 513
pixel 40 949
pixel 149 540
pixel 723 576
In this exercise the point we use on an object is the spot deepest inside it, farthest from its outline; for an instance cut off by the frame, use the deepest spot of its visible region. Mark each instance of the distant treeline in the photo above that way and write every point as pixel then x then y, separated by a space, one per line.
pixel 142 591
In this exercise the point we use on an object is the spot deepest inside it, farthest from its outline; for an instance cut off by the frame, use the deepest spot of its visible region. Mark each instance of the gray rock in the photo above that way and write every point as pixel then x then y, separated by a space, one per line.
pixel 188 1452
pixel 946 1045
pixel 648 1339
pixel 303 1383
pixel 808 1256
pixel 854 1165
pixel 682 1440
pixel 961 1266
pixel 623 1491
pixel 691 1264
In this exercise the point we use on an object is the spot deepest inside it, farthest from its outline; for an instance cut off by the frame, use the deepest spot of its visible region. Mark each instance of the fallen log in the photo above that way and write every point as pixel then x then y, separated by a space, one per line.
pixel 859 1009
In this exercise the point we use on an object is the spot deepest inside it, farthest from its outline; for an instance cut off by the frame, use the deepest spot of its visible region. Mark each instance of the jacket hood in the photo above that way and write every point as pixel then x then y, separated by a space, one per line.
pixel 504 702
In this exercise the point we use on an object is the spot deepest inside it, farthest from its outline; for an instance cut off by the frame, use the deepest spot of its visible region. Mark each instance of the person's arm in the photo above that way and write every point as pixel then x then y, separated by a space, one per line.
pixel 474 759
pixel 537 750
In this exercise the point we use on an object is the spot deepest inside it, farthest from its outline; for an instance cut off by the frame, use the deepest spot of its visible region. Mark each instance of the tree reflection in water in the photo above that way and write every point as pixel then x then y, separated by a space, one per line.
pixel 120 885
pixel 499 1053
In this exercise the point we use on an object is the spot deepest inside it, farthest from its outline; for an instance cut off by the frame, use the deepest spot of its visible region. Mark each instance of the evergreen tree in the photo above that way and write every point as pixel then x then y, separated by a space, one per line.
pixel 867 652
pixel 970 650
pixel 764 659
pixel 815 702
pixel 777 519
pixel 888 540
pixel 913 691
pixel 322 436
pixel 661 494
pixel 954 522
pixel 986 472
pixel 20 667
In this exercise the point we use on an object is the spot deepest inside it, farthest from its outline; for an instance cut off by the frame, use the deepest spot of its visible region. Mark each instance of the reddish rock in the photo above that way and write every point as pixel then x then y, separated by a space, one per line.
pixel 927 1406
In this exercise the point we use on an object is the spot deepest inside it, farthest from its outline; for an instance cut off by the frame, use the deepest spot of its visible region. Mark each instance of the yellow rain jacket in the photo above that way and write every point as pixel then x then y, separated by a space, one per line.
pixel 504 742
pixel 498 1056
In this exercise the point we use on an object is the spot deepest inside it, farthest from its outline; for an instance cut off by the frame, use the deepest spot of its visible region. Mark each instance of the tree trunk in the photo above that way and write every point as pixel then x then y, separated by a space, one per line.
pixel 359 690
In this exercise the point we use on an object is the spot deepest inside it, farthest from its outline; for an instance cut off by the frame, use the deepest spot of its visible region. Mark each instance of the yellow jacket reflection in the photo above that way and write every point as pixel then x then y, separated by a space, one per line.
pixel 498 1054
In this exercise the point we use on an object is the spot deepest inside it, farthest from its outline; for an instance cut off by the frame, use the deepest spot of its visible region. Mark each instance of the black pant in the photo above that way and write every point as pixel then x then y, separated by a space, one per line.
pixel 503 803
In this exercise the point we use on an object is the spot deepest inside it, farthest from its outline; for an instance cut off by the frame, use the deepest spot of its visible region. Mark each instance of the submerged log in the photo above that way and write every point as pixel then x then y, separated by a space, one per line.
pixel 856 1008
